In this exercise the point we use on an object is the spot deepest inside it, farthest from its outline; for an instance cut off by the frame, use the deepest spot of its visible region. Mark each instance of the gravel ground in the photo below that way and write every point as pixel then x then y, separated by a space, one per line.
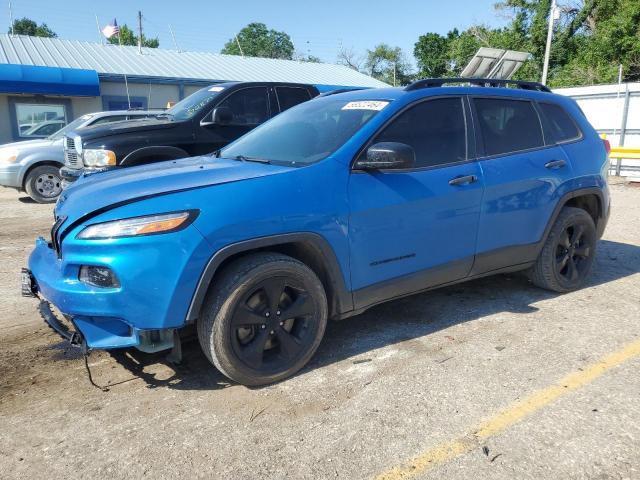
pixel 384 388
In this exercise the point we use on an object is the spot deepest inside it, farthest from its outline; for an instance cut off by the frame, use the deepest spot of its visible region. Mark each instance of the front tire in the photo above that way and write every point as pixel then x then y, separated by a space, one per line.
pixel 44 184
pixel 263 319
pixel 568 253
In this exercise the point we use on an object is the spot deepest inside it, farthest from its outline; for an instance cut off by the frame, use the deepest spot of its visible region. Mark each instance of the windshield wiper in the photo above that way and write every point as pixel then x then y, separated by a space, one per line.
pixel 164 115
pixel 243 158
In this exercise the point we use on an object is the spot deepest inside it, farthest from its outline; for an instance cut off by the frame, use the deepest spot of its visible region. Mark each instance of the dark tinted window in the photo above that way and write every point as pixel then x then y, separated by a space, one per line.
pixel 508 125
pixel 435 129
pixel 562 127
pixel 249 106
pixel 290 97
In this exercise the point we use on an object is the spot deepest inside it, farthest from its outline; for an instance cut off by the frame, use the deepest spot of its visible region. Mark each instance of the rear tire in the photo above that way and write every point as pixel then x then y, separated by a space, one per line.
pixel 568 253
pixel 263 318
pixel 44 184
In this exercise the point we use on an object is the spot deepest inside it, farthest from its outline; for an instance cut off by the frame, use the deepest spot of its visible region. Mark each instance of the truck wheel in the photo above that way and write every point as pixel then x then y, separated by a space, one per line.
pixel 263 318
pixel 44 184
pixel 568 253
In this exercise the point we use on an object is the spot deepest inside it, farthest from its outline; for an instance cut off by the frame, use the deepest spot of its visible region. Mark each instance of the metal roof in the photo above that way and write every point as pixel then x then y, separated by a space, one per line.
pixel 154 62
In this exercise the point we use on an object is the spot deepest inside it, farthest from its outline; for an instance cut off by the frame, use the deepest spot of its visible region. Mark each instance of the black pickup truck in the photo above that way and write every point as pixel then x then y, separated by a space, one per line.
pixel 201 123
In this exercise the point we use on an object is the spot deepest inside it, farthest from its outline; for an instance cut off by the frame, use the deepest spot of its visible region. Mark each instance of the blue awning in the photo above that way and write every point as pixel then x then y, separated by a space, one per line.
pixel 71 82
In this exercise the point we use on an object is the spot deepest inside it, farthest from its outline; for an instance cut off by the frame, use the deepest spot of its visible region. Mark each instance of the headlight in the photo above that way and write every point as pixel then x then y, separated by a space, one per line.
pixel 98 157
pixel 8 156
pixel 137 226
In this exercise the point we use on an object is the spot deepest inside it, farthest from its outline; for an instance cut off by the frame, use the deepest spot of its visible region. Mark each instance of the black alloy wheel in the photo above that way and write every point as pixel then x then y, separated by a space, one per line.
pixel 568 253
pixel 272 325
pixel 572 253
pixel 263 319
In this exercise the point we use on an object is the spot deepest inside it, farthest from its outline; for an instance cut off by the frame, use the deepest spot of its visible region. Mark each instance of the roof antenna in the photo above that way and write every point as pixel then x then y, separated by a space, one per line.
pixel 239 47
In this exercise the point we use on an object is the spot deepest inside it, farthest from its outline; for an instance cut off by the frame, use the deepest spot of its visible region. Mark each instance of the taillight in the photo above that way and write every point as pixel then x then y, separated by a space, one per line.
pixel 607 145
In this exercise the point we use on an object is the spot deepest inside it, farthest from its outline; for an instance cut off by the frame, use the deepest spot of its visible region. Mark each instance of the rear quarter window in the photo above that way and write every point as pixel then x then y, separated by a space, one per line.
pixel 507 125
pixel 562 126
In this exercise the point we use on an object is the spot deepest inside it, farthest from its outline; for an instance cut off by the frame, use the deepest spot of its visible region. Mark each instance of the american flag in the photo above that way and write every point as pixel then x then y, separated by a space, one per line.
pixel 111 30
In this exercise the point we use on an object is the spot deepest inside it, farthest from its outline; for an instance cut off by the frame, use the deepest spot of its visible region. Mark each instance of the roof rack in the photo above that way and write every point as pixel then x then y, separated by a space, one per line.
pixel 480 82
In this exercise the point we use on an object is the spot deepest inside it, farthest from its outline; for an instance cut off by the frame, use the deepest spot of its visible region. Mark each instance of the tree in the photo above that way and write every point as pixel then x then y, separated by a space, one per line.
pixel 388 64
pixel 431 52
pixel 302 57
pixel 256 40
pixel 128 38
pixel 349 58
pixel 591 39
pixel 26 26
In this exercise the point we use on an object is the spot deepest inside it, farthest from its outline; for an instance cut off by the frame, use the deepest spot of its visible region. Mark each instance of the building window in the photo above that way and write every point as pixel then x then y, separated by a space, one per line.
pixel 120 102
pixel 39 120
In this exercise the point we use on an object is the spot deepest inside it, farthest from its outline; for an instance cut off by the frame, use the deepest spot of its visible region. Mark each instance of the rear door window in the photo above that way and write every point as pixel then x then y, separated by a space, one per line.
pixel 250 106
pixel 508 125
pixel 291 96
pixel 563 128
pixel 434 128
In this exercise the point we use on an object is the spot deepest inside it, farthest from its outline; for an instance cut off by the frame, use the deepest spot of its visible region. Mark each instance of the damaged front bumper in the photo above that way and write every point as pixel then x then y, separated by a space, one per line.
pixel 89 332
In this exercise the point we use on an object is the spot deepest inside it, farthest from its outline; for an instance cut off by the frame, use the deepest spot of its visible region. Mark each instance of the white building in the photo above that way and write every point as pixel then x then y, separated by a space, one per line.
pixel 615 111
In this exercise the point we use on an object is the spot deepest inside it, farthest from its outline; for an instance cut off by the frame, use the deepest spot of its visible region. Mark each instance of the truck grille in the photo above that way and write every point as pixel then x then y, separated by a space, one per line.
pixel 71 157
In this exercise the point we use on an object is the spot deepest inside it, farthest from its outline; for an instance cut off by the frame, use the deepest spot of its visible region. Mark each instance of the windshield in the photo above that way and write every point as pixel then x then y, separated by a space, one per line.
pixel 306 133
pixel 188 107
pixel 70 127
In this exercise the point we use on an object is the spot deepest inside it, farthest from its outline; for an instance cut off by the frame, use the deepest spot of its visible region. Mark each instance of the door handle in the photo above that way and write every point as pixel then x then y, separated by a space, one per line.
pixel 463 180
pixel 555 164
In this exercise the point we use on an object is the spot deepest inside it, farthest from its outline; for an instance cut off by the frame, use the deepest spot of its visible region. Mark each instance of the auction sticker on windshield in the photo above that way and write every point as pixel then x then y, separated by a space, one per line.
pixel 366 105
pixel 216 89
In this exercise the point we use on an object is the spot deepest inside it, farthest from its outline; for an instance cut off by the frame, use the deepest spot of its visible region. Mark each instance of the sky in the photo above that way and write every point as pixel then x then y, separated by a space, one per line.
pixel 316 28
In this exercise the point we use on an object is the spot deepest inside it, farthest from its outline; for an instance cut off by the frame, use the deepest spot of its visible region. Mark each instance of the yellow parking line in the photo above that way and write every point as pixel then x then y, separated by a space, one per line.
pixel 511 415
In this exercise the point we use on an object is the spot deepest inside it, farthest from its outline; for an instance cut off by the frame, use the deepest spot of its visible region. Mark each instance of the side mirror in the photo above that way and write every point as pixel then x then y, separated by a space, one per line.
pixel 387 155
pixel 219 116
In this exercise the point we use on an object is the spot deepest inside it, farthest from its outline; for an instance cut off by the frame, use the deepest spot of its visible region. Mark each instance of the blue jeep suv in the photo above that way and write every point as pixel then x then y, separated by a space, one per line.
pixel 338 204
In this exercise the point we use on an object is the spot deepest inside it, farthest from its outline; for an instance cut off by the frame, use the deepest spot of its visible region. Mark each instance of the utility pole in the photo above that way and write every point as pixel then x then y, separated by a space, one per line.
pixel 139 32
pixel 11 18
pixel 547 51
pixel 239 47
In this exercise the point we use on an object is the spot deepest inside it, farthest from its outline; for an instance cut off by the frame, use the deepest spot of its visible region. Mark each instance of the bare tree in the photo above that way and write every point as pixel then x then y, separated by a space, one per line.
pixel 349 58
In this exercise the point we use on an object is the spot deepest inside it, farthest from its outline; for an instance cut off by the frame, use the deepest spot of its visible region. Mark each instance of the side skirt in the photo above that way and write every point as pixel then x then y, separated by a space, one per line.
pixel 368 297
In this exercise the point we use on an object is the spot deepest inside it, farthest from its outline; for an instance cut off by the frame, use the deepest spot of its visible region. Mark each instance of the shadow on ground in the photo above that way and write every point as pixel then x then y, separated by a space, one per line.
pixel 394 322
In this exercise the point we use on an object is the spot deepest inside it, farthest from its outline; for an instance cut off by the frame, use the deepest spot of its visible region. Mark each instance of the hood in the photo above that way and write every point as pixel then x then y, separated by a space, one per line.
pixel 102 191
pixel 117 128
pixel 19 146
